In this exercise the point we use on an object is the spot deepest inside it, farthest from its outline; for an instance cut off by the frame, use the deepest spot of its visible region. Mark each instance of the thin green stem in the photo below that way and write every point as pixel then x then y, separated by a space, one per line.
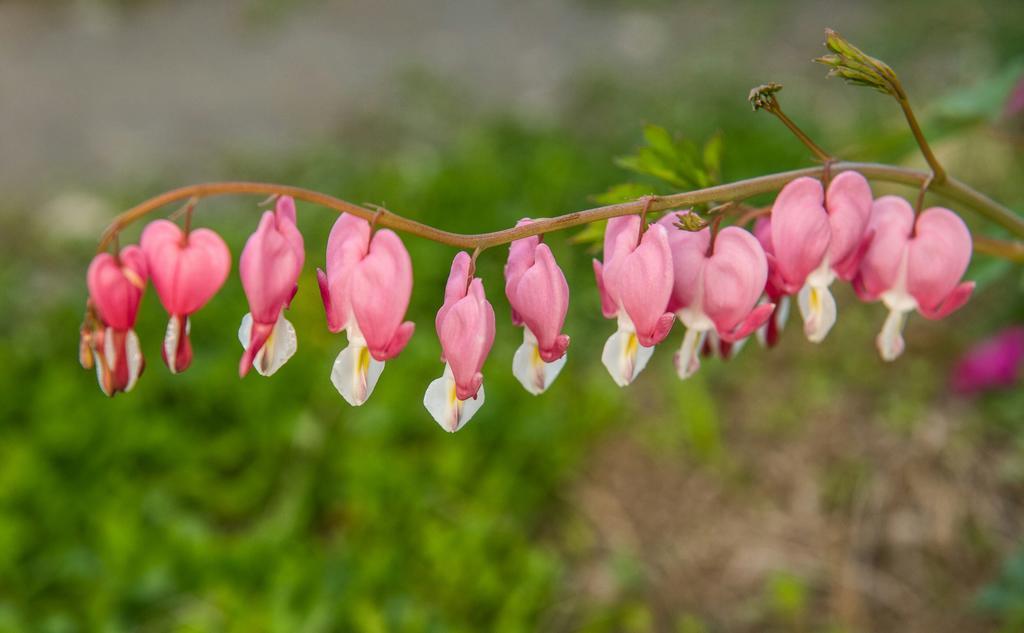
pixel 938 171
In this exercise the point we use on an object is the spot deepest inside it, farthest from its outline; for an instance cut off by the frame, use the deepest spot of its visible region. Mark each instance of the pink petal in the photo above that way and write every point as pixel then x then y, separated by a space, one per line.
pixel 734 278
pixel 892 220
pixel 800 232
pixel 751 322
pixel 541 297
pixel 456 287
pixel 848 202
pixel 347 244
pixel 185 273
pixel 520 258
pixel 116 286
pixel 381 288
pixel 270 266
pixel 467 334
pixel 642 282
pixel 689 254
pixel 953 302
pixel 608 307
pixel 938 256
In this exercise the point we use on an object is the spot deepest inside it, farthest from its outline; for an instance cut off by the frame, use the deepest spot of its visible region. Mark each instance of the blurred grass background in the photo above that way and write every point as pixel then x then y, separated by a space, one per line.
pixel 809 489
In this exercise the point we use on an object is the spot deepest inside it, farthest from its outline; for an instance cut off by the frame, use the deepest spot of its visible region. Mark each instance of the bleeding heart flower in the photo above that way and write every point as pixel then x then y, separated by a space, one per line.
pixel 716 288
pixel 270 265
pixel 187 270
pixel 913 264
pixel 539 295
pixel 465 325
pixel 817 236
pixel 366 291
pixel 109 341
pixel 992 363
pixel 635 283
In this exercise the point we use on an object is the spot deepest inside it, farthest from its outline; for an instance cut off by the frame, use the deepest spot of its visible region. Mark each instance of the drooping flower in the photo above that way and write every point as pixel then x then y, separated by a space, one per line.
pixel 365 290
pixel 635 282
pixel 270 265
pixel 109 341
pixel 913 264
pixel 187 270
pixel 716 287
pixel 465 325
pixel 539 295
pixel 816 236
pixel 991 364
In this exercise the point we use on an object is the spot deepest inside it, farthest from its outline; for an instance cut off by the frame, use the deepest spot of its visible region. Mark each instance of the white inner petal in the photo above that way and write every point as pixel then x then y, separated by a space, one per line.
pixel 623 355
pixel 687 359
pixel 133 354
pixel 355 372
pixel 280 346
pixel 779 317
pixel 444 405
pixel 245 330
pixel 890 340
pixel 530 369
pixel 818 309
pixel 171 341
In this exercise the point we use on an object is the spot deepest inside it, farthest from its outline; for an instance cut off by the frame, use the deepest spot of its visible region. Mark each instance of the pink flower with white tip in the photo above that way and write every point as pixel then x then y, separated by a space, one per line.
pixel 635 282
pixel 270 265
pixel 115 285
pixel 716 287
pixel 465 325
pixel 539 295
pixel 816 236
pixel 187 269
pixel 366 291
pixel 913 264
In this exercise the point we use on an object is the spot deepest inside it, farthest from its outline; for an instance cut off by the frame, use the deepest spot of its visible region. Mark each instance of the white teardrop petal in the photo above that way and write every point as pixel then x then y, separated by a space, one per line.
pixel 530 369
pixel 280 346
pixel 355 374
pixel 818 309
pixel 624 356
pixel 890 339
pixel 444 406
pixel 133 356
pixel 245 330
pixel 687 359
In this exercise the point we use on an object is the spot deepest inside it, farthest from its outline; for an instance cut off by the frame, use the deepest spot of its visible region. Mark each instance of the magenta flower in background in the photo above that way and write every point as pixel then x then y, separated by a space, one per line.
pixel 913 264
pixel 366 290
pixel 465 326
pixel 991 364
pixel 270 265
pixel 115 285
pixel 715 289
pixel 539 295
pixel 635 282
pixel 187 270
pixel 1015 101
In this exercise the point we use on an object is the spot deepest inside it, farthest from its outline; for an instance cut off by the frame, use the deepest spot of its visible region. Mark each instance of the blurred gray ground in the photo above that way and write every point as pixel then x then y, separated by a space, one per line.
pixel 94 93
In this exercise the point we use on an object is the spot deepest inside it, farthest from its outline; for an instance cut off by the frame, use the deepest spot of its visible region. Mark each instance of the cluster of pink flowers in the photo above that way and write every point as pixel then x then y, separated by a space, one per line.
pixel 722 286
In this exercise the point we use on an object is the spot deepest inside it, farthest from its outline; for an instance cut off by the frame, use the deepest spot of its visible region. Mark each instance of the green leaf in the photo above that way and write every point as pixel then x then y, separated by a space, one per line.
pixel 713 148
pixel 623 192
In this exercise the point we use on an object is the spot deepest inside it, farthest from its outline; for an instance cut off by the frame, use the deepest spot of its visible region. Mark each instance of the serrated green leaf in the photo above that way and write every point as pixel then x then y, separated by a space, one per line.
pixel 660 140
